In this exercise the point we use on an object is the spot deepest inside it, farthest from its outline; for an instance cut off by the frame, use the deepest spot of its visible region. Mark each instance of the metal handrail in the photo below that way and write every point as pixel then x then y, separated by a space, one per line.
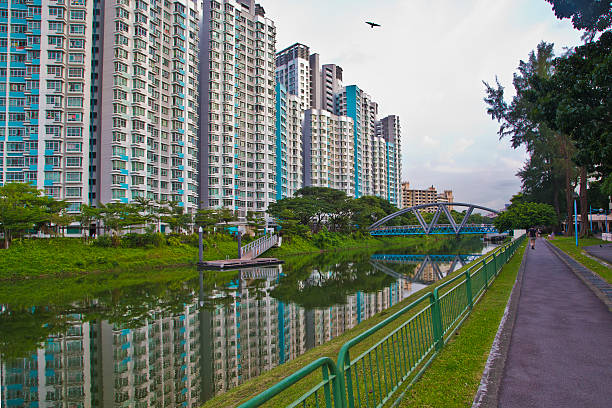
pixel 409 347
pixel 329 383
pixel 259 246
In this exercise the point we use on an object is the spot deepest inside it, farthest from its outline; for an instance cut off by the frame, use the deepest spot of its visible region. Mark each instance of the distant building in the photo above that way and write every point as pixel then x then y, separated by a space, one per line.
pixel 411 198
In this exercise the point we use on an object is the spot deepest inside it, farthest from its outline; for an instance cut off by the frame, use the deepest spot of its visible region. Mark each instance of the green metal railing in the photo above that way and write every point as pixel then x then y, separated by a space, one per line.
pixel 394 354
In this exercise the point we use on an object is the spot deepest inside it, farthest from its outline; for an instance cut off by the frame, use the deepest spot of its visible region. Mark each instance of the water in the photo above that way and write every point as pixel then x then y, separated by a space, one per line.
pixel 175 338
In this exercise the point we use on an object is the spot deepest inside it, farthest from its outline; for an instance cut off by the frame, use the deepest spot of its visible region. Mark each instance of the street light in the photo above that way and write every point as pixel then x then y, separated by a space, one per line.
pixel 575 218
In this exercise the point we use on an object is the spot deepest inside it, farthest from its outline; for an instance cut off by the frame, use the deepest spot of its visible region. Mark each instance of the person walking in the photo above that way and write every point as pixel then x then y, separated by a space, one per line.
pixel 532 233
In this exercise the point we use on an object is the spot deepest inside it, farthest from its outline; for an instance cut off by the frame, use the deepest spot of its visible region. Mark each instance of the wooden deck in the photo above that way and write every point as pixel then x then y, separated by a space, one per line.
pixel 239 263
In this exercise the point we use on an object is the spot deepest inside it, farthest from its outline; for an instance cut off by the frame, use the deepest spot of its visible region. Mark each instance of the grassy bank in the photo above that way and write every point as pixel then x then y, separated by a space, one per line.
pixel 330 349
pixel 62 257
pixel 568 245
pixel 453 378
pixel 71 256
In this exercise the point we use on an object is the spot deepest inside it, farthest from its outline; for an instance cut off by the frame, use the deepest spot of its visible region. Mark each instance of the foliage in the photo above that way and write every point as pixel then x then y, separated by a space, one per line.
pixel 577 100
pixel 23 208
pixel 587 15
pixel 526 215
pixel 548 174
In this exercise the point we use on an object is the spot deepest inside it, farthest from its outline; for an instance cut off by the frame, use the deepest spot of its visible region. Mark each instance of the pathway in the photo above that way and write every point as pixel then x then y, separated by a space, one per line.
pixel 560 352
pixel 603 252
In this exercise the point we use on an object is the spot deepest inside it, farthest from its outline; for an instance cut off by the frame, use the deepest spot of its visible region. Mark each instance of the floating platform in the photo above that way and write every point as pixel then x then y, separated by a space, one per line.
pixel 239 263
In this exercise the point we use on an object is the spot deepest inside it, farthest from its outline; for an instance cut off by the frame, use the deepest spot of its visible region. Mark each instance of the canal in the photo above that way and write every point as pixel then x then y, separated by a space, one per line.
pixel 175 338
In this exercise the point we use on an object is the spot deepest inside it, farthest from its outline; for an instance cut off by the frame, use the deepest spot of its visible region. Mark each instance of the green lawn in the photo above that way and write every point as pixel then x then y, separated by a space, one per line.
pixel 70 256
pixel 454 376
pixel 568 245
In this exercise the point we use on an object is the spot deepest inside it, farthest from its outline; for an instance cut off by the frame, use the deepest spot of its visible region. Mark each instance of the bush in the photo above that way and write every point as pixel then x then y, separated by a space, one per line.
pixel 325 239
pixel 104 241
pixel 133 240
pixel 174 241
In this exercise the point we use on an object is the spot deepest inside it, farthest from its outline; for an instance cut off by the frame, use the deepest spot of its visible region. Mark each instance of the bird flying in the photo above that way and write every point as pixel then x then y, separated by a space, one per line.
pixel 372 25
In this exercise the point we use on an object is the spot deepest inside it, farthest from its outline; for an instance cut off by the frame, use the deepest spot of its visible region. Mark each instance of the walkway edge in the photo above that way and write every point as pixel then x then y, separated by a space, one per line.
pixel 592 280
pixel 487 395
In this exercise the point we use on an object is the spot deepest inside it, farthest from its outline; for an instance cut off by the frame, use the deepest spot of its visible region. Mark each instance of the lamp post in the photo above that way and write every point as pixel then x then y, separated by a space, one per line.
pixel 591 218
pixel 200 249
pixel 575 218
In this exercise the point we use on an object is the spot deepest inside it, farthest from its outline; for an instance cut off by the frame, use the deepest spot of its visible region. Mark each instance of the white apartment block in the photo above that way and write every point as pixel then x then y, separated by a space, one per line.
pixel 237 107
pixel 146 101
pixel 45 66
pixel 328 151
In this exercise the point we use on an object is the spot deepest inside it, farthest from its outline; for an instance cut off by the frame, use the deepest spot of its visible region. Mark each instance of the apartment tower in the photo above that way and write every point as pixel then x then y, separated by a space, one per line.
pixel 237 107
pixel 45 65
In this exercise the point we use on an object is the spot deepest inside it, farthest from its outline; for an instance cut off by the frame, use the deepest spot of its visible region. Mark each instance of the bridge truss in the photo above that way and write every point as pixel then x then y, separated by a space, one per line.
pixel 424 228
pixel 433 261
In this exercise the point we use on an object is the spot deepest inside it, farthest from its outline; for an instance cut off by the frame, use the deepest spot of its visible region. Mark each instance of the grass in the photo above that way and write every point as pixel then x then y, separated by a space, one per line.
pixel 331 348
pixel 454 376
pixel 61 257
pixel 568 245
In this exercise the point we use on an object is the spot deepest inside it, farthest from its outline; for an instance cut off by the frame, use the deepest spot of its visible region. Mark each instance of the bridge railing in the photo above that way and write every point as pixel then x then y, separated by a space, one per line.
pixel 259 246
pixel 395 352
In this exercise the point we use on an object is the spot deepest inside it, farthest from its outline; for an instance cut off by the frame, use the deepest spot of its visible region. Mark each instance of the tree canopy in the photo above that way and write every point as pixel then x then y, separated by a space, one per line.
pixel 526 215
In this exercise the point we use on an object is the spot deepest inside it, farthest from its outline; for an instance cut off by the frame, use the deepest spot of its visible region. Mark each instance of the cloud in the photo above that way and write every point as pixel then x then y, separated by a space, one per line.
pixel 426 64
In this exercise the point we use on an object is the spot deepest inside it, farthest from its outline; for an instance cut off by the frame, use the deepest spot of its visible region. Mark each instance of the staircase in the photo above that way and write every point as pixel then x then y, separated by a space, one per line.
pixel 253 249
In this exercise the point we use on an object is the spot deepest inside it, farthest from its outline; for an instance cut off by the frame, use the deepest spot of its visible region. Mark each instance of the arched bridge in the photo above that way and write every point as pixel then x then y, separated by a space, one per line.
pixel 424 228
pixel 425 261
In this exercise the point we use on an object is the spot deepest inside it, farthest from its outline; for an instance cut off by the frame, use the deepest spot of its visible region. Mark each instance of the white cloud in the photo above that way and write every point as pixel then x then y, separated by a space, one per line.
pixel 426 64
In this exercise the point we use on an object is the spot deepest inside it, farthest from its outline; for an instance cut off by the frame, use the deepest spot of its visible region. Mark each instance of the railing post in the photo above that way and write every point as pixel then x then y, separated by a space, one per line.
pixel 436 316
pixel 346 385
pixel 484 269
pixel 495 263
pixel 468 289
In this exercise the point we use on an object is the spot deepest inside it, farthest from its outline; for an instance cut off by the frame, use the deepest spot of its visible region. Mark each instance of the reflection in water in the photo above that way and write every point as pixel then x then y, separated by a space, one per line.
pixel 177 344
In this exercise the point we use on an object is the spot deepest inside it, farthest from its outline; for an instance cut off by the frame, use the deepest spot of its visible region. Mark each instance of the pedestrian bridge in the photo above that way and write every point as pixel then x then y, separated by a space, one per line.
pixel 429 263
pixel 423 228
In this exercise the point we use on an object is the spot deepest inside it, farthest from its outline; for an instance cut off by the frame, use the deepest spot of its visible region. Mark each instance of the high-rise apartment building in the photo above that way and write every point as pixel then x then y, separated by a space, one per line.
pixel 237 107
pixel 145 101
pixel 387 162
pixel 45 66
pixel 328 151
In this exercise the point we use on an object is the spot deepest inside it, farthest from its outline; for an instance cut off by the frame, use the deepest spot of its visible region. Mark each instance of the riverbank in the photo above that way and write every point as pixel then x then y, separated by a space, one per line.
pixel 568 245
pixel 64 257
pixel 454 376
pixel 252 387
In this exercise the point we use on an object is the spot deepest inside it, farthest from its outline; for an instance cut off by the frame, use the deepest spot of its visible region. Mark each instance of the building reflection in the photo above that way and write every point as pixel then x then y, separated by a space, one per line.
pixel 213 340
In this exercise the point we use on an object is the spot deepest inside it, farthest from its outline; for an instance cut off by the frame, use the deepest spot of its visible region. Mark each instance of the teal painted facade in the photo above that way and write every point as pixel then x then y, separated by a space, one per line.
pixel 353 110
pixel 281 141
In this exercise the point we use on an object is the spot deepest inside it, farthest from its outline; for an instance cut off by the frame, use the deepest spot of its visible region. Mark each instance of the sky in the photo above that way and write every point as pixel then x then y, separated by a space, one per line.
pixel 426 63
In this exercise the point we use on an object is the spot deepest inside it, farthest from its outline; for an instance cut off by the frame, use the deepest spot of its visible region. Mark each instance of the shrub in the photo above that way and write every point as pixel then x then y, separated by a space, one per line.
pixel 104 241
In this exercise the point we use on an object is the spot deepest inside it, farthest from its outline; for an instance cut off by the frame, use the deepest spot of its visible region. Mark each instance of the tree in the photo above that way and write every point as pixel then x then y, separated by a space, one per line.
pixel 526 215
pixel 589 15
pixel 550 150
pixel 206 219
pixel 176 217
pixel 23 208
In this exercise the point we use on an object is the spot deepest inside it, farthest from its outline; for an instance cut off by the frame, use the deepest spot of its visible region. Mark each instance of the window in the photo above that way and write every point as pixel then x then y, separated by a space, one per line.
pixel 74 132
pixel 77 14
pixel 73 191
pixel 118 179
pixel 56 26
pixel 52 161
pixel 73 146
pixel 74 177
pixel 76 29
pixel 76 58
pixel 52 145
pixel 73 161
pixel 73 101
pixel 77 44
pixel 117 194
pixel 75 72
pixel 119 165
pixel 74 116
pixel 75 87
pixel 52 176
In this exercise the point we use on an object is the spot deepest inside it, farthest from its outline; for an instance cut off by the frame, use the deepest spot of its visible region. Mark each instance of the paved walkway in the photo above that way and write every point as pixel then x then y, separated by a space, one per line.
pixel 560 352
pixel 603 252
